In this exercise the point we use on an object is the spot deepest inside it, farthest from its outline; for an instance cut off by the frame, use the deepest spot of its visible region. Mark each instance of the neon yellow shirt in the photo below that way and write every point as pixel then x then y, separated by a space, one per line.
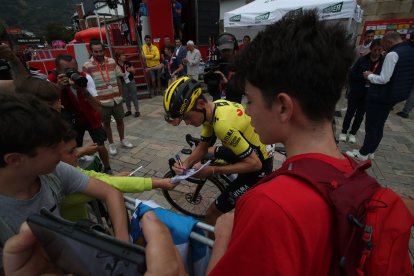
pixel 73 206
pixel 233 127
pixel 152 55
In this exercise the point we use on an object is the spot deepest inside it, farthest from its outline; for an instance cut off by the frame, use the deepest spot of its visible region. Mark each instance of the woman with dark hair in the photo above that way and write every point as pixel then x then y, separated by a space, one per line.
pixel 358 90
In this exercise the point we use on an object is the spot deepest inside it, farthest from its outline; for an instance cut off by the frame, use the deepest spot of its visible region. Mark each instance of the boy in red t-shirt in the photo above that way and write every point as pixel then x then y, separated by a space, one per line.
pixel 283 226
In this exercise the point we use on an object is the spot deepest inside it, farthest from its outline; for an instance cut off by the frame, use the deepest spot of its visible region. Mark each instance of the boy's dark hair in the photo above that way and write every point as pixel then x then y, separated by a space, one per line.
pixel 147 36
pixel 369 32
pixel 69 133
pixel 27 124
pixel 247 36
pixel 63 57
pixel 95 42
pixel 45 91
pixel 301 56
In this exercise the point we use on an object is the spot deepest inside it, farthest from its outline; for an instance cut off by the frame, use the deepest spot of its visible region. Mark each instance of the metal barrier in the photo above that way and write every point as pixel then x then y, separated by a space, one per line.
pixel 130 205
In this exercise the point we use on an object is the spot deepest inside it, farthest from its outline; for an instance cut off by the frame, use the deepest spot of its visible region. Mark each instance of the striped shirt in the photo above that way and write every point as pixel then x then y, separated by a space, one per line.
pixel 105 78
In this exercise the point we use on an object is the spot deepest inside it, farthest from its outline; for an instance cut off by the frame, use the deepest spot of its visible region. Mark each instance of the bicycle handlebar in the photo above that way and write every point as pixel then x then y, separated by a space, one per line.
pixel 192 140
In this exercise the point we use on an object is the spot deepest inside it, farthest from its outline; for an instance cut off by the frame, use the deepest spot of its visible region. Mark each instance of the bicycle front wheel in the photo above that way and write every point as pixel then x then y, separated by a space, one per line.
pixel 192 197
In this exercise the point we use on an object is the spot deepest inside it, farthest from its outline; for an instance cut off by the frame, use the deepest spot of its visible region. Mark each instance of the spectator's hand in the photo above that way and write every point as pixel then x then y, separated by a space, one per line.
pixel 164 183
pixel 185 61
pixel 88 150
pixel 122 174
pixel 161 255
pixel 366 74
pixel 23 255
pixel 6 53
pixel 62 81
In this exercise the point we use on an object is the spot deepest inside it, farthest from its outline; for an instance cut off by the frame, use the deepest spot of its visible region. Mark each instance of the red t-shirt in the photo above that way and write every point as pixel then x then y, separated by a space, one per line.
pixel 281 227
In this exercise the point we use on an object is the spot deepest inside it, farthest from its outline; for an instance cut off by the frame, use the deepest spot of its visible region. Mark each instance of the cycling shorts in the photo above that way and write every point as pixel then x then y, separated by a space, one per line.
pixel 227 200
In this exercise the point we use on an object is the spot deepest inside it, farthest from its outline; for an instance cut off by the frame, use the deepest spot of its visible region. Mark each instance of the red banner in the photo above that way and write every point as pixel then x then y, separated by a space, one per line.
pixel 404 26
pixel 13 31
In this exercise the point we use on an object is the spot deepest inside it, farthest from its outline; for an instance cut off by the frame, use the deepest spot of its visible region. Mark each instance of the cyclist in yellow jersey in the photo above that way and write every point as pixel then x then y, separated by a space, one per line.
pixel 184 101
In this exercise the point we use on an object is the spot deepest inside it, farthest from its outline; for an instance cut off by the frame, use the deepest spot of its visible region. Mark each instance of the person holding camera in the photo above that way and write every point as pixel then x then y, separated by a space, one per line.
pixel 80 106
pixel 219 75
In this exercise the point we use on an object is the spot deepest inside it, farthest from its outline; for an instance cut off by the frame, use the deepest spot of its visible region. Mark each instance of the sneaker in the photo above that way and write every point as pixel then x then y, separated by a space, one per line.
pixel 351 139
pixel 137 114
pixel 342 137
pixel 125 143
pixel 112 149
pixel 402 114
pixel 127 113
pixel 357 155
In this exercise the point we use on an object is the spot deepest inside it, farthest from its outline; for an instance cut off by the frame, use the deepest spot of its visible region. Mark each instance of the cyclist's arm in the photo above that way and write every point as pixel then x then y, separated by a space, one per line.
pixel 237 143
pixel 248 164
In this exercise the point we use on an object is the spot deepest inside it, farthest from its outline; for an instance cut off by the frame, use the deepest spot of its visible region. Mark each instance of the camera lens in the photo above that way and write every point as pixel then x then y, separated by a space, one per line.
pixel 76 78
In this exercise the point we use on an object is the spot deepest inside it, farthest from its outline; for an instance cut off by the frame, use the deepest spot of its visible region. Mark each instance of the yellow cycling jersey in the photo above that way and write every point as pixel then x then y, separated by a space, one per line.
pixel 233 127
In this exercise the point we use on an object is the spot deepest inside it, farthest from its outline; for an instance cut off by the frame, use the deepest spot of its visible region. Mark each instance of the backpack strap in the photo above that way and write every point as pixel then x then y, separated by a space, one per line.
pixel 6 232
pixel 322 176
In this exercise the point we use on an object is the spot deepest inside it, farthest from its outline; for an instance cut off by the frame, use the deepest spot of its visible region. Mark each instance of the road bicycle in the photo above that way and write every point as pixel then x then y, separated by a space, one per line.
pixel 193 196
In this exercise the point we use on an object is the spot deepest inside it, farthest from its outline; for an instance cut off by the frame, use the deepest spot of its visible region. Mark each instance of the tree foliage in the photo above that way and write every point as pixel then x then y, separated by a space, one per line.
pixel 58 31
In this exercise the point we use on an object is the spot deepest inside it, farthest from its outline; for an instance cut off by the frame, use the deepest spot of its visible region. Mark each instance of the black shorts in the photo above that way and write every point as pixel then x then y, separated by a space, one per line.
pixel 227 200
pixel 98 135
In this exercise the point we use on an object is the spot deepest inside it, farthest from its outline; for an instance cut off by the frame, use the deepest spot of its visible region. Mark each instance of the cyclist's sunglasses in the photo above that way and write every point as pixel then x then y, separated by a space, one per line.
pixel 168 118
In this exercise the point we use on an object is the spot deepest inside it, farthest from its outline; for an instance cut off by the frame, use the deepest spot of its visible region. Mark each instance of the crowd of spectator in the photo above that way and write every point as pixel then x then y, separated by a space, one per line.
pixel 281 225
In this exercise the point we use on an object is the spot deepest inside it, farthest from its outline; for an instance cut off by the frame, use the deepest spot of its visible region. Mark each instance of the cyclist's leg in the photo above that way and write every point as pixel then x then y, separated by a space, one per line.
pixel 227 200
pixel 213 213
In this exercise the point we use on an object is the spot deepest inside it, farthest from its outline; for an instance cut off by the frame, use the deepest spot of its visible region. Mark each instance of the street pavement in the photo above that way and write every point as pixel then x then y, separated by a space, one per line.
pixel 155 142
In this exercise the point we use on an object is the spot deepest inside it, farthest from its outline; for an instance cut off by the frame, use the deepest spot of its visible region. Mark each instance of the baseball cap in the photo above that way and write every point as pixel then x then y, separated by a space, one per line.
pixel 226 41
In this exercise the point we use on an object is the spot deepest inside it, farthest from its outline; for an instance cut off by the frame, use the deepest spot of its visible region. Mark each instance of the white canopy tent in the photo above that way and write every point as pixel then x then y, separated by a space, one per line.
pixel 253 17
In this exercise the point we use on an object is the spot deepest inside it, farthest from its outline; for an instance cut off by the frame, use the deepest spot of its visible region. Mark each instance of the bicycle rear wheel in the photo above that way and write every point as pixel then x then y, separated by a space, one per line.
pixel 192 197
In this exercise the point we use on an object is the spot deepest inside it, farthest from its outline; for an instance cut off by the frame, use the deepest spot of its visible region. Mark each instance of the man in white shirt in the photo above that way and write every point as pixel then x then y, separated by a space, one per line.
pixel 392 86
pixel 192 60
